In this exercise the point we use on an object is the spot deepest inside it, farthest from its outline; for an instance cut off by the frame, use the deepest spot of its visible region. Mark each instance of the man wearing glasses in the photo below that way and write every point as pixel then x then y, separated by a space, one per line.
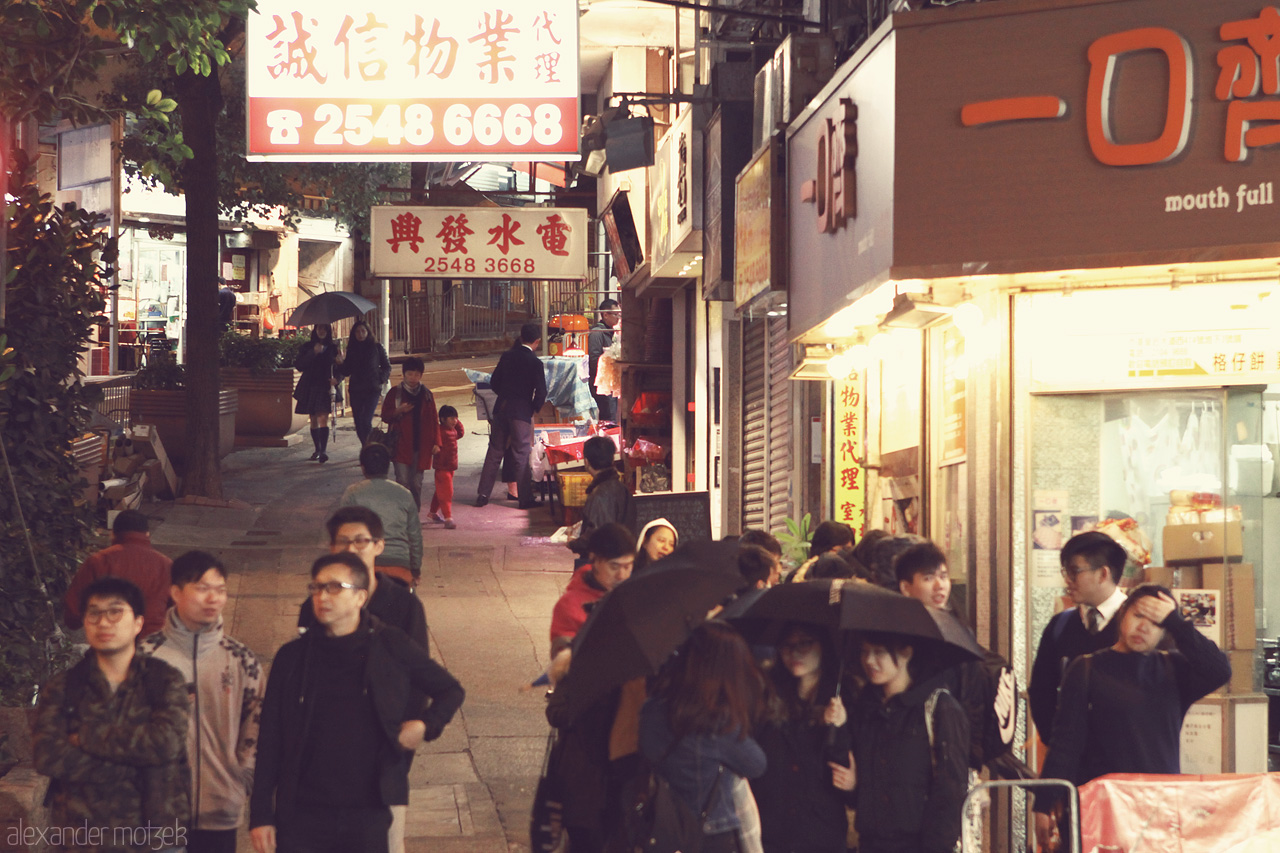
pixel 1092 565
pixel 111 733
pixel 358 530
pixel 340 722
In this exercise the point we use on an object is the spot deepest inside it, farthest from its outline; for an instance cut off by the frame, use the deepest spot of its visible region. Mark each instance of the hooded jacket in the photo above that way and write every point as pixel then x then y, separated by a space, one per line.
pixel 910 791
pixel 226 682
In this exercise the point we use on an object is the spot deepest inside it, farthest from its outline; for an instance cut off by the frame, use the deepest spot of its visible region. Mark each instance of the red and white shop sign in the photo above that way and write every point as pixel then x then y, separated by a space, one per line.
pixel 497 80
pixel 479 242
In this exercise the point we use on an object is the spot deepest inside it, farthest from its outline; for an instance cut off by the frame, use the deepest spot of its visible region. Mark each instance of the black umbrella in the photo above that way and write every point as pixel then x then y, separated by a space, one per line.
pixel 330 308
pixel 852 606
pixel 634 629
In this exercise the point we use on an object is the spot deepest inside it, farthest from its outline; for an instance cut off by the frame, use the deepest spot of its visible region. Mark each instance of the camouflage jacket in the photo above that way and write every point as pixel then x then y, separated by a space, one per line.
pixel 116 761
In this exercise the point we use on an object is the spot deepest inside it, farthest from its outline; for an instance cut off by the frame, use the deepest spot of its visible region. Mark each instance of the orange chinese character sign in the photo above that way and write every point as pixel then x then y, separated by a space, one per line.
pixel 1103 54
pixel 1244 71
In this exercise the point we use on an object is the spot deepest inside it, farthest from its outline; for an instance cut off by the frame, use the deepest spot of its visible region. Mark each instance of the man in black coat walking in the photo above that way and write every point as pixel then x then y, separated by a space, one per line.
pixel 520 381
pixel 343 712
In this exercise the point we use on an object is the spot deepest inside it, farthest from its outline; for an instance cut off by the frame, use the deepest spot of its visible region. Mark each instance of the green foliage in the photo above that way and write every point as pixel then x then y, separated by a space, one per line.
pixel 154 153
pixel 795 540
pixel 161 373
pixel 57 261
pixel 259 354
pixel 49 53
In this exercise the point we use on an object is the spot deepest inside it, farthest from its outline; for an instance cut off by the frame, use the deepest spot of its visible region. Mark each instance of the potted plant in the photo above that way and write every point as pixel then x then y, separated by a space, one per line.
pixel 261 370
pixel 159 398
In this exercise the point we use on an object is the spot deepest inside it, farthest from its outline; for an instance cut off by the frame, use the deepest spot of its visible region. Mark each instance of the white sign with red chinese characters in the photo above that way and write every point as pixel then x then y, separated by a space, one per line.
pixel 496 80
pixel 479 242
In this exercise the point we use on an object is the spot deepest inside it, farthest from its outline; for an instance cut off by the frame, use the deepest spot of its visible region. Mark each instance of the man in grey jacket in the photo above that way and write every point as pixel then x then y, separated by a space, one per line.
pixel 226 683
pixel 396 508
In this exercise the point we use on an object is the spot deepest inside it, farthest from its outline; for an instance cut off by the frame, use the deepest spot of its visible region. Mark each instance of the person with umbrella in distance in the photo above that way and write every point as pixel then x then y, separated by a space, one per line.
pixel 314 392
pixel 696 729
pixel 910 749
pixel 804 733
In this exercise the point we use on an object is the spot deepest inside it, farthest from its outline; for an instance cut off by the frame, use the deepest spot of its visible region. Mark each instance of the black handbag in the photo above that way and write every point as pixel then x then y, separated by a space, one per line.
pixel 664 823
pixel 546 821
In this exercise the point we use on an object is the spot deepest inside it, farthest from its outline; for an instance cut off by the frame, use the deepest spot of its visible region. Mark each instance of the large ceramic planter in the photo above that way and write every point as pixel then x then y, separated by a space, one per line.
pixel 167 412
pixel 266 414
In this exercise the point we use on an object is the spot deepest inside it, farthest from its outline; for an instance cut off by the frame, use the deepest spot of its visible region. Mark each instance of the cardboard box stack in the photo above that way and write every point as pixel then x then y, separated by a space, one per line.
pixel 139 469
pixel 1218 596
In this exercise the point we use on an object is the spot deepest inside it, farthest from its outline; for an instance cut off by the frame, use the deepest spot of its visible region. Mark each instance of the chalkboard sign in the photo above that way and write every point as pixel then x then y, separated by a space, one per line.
pixel 689 512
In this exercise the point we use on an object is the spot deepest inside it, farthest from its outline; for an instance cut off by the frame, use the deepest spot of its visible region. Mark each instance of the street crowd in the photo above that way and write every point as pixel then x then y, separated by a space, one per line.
pixel 701 698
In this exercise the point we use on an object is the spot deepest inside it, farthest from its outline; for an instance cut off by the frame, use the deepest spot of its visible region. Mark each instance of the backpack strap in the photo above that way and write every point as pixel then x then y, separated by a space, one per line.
pixel 930 708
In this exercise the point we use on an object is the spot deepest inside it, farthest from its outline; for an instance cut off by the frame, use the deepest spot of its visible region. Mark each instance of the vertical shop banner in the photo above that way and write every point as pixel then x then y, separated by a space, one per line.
pixel 954 373
pixel 478 242
pixel 850 435
pixel 392 81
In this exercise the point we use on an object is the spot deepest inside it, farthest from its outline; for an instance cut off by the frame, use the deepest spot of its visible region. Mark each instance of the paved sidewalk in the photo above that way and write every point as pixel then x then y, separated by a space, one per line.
pixel 488 588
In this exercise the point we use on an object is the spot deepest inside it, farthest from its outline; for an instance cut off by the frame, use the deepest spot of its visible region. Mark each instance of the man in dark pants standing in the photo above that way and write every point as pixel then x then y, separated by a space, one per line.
pixel 520 381
pixel 341 717
pixel 600 339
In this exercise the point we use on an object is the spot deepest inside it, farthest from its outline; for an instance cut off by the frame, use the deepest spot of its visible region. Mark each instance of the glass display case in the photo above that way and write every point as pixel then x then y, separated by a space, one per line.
pixel 1186 480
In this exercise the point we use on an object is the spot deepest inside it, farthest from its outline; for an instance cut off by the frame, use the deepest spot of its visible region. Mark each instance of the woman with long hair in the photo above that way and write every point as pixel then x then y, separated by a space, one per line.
pixel 911 752
pixel 805 736
pixel 696 729
pixel 314 391
pixel 368 369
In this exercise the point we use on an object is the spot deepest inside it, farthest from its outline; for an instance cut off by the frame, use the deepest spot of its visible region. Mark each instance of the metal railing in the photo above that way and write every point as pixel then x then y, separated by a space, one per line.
pixel 115 396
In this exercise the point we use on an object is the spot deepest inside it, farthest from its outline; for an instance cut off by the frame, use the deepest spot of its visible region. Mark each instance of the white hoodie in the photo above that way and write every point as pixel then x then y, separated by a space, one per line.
pixel 227 681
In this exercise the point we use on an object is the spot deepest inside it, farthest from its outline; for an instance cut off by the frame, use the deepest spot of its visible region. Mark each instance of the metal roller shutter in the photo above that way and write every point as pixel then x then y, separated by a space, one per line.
pixel 779 466
pixel 755 388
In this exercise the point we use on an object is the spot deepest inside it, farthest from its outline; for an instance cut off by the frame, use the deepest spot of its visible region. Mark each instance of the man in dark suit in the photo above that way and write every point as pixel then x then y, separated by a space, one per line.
pixel 520 381
pixel 1092 565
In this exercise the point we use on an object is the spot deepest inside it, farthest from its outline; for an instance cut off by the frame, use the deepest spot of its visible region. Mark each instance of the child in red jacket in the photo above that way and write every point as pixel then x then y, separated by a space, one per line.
pixel 445 463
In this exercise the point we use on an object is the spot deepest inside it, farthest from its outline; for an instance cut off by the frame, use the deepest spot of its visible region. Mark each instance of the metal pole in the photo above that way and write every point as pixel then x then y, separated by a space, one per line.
pixel 386 314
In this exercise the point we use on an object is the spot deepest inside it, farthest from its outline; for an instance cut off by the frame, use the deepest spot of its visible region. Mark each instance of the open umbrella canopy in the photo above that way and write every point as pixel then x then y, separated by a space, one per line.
pixel 851 606
pixel 330 308
pixel 634 629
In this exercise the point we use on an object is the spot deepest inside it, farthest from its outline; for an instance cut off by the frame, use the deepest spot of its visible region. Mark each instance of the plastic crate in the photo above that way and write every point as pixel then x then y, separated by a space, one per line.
pixel 573 488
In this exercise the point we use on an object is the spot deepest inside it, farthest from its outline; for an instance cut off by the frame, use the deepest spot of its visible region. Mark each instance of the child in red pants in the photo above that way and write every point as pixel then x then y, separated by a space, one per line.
pixel 445 462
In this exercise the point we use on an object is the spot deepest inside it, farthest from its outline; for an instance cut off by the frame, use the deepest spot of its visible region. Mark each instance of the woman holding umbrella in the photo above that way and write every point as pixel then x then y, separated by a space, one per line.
pixel 803 793
pixel 314 392
pixel 911 752
pixel 369 369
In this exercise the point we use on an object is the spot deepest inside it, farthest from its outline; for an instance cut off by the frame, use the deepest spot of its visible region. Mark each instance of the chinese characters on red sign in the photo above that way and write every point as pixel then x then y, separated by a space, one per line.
pixel 849 435
pixel 439 241
pixel 328 83
pixel 1248 70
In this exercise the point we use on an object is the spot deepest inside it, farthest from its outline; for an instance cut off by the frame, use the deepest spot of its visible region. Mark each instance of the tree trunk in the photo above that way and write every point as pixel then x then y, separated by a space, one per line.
pixel 201 100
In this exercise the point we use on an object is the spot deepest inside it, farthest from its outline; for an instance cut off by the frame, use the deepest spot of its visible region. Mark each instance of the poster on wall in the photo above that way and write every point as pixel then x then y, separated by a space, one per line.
pixel 1201 746
pixel 849 474
pixel 394 81
pixel 1203 609
pixel 1049 522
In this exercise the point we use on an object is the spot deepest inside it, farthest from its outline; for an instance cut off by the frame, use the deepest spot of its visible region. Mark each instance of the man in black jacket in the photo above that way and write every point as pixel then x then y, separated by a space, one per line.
pixel 339 723
pixel 1120 710
pixel 599 340
pixel 1092 565
pixel 520 381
